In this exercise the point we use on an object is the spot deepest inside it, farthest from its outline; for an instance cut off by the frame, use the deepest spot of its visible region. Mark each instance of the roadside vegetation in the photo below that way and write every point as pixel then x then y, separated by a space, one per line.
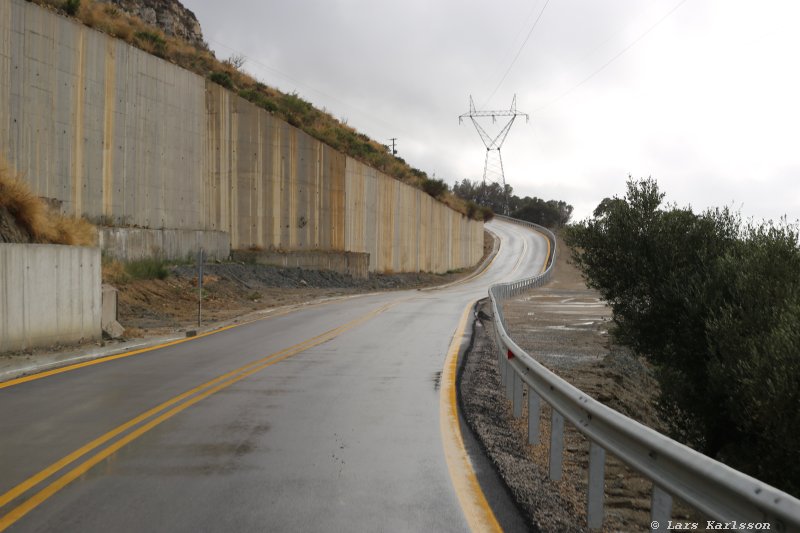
pixel 122 272
pixel 290 107
pixel 714 303
pixel 24 217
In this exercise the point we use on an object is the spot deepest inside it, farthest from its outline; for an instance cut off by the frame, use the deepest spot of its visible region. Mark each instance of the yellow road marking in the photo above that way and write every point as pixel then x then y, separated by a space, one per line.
pixel 477 511
pixel 99 360
pixel 236 375
pixel 547 257
pixel 114 357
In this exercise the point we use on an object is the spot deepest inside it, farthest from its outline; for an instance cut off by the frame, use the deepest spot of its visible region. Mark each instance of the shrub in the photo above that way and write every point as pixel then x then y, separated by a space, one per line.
pixel 152 42
pixel 258 98
pixel 435 187
pixel 472 209
pixel 114 271
pixel 147 269
pixel 714 306
pixel 222 78
pixel 71 7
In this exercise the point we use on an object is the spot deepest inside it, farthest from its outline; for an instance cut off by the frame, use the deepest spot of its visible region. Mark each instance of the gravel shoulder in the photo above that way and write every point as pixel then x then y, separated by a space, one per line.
pixel 564 325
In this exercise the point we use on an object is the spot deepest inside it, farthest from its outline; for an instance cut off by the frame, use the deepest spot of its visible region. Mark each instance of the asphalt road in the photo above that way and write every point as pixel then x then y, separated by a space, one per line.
pixel 330 418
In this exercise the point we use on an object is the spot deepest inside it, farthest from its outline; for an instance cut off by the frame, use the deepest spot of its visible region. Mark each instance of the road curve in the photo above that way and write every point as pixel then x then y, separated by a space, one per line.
pixel 329 418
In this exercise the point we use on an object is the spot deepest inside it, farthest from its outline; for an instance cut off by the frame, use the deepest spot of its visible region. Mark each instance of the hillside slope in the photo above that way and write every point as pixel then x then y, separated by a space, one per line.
pixel 170 16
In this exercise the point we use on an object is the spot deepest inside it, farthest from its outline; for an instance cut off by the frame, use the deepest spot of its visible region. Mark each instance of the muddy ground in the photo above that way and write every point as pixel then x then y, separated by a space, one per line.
pixel 564 326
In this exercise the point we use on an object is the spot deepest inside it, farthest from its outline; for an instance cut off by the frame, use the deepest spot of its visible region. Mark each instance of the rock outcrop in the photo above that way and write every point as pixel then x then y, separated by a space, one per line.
pixel 170 16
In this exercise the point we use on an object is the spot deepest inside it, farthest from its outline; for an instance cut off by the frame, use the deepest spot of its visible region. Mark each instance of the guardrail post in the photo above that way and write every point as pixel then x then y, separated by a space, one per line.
pixel 660 509
pixel 534 413
pixel 501 363
pixel 594 498
pixel 510 373
pixel 556 445
pixel 517 401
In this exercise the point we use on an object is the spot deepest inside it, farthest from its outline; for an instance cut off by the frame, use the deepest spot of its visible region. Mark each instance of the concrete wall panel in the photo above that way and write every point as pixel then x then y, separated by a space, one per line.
pixel 130 244
pixel 402 228
pixel 104 128
pixel 270 184
pixel 351 263
pixel 48 294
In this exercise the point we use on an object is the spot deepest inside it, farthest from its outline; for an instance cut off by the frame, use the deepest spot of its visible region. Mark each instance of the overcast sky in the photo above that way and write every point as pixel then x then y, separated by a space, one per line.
pixel 702 95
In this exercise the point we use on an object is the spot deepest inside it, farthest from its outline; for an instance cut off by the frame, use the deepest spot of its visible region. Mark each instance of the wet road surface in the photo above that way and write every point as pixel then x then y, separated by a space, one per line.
pixel 324 419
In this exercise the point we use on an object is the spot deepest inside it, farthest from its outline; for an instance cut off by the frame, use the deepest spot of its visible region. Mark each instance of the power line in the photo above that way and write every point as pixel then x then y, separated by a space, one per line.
pixel 523 27
pixel 607 63
pixel 614 33
pixel 513 61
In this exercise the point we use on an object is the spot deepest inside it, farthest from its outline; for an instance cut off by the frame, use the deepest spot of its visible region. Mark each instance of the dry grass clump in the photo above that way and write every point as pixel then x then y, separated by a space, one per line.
pixel 114 272
pixel 41 223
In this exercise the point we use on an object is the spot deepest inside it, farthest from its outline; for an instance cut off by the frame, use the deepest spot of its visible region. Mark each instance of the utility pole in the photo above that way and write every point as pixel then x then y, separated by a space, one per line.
pixel 394 151
pixel 493 165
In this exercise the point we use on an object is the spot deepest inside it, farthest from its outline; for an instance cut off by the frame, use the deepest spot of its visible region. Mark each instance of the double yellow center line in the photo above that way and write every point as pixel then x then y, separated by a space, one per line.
pixel 147 421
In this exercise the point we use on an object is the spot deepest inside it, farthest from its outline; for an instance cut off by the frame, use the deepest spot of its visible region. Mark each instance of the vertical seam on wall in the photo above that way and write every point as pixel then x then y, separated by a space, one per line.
pixel 77 169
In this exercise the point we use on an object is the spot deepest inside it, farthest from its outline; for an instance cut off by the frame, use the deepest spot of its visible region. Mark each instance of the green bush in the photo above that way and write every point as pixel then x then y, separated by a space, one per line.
pixel 472 209
pixel 147 269
pixel 155 42
pixel 71 7
pixel 435 187
pixel 258 98
pixel 715 307
pixel 222 78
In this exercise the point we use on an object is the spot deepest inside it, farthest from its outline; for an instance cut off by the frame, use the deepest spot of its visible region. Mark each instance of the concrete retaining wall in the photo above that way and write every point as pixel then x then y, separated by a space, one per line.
pixel 403 228
pixel 119 135
pixel 106 129
pixel 270 184
pixel 275 186
pixel 130 244
pixel 354 264
pixel 48 294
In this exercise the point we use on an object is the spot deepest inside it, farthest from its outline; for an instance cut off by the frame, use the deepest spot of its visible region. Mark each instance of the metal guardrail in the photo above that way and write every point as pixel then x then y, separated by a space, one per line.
pixel 734 500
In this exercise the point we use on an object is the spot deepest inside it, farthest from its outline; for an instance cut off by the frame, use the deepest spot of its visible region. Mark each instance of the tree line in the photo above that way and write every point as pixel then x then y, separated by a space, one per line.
pixel 714 303
pixel 549 213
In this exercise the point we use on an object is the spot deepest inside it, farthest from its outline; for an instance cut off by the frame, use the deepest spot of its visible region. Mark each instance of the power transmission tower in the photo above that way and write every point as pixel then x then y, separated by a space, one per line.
pixel 493 166
pixel 394 150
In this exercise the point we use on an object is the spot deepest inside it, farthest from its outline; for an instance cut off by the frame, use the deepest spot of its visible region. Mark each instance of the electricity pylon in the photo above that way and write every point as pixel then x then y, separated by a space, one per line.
pixel 493 166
